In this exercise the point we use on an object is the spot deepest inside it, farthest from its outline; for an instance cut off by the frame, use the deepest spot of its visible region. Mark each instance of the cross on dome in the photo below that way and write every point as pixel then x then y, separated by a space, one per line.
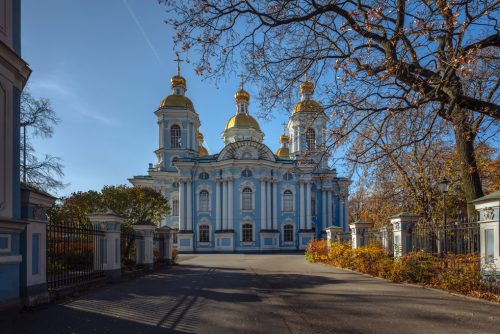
pixel 178 60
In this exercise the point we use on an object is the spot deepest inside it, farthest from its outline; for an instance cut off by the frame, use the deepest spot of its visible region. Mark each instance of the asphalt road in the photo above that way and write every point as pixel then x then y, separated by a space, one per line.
pixel 236 293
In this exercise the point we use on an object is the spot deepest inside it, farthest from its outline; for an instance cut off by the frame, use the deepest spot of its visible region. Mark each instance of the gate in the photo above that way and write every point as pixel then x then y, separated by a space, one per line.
pixel 75 254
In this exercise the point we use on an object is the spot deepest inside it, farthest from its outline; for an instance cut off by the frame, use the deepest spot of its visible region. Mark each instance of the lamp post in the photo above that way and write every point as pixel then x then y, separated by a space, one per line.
pixel 443 188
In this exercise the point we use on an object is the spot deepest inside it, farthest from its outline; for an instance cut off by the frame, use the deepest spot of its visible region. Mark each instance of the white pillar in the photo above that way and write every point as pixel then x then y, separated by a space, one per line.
pixel 302 212
pixel 224 205
pixel 263 224
pixel 324 221
pixel 330 209
pixel 217 206
pixel 308 206
pixel 182 223
pixel 230 205
pixel 189 214
pixel 275 206
pixel 268 205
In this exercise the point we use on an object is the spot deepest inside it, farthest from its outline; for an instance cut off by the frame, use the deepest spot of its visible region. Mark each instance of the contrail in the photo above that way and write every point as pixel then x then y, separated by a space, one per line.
pixel 138 24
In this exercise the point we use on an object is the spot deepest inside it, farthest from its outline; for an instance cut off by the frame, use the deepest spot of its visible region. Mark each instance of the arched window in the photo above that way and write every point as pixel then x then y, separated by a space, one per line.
pixel 175 207
pixel 246 173
pixel 247 233
pixel 174 160
pixel 203 201
pixel 175 136
pixel 310 139
pixel 288 233
pixel 204 233
pixel 204 176
pixel 287 201
pixel 247 203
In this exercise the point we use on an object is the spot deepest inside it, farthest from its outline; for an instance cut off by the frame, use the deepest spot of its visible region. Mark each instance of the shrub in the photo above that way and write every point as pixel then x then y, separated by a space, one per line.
pixel 414 267
pixel 317 251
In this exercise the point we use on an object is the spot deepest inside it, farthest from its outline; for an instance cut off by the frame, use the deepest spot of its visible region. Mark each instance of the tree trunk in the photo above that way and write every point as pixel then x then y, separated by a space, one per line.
pixel 464 145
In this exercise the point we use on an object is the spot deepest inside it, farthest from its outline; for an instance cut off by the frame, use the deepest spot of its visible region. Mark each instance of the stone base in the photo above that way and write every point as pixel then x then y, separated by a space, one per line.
pixel 304 238
pixel 185 241
pixel 269 240
pixel 224 241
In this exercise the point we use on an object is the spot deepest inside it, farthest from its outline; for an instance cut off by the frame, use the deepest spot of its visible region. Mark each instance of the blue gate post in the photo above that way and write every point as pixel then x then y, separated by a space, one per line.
pixel 402 225
pixel 108 248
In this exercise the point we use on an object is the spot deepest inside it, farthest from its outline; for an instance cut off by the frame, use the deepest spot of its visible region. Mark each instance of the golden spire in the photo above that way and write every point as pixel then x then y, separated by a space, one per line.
pixel 178 80
pixel 241 94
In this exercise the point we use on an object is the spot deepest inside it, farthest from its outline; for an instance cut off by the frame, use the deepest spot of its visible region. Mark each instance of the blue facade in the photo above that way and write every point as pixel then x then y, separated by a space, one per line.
pixel 245 198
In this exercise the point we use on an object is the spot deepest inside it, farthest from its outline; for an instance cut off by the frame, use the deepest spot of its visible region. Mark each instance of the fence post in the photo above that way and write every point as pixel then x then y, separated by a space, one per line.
pixel 332 233
pixel 108 247
pixel 489 229
pixel 387 238
pixel 402 226
pixel 145 253
pixel 166 250
pixel 34 204
pixel 359 234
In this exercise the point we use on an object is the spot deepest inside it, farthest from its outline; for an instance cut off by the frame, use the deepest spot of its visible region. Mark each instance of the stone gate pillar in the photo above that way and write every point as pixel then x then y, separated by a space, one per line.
pixel 359 234
pixel 146 251
pixel 109 247
pixel 489 229
pixel 166 236
pixel 402 226
pixel 332 234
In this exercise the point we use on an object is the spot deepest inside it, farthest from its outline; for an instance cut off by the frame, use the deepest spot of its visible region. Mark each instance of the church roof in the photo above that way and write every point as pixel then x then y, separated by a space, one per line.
pixel 283 152
pixel 242 121
pixel 180 101
pixel 308 106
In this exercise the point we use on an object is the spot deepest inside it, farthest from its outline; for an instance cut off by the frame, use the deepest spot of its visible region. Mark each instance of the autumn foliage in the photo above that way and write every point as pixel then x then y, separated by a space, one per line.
pixel 454 273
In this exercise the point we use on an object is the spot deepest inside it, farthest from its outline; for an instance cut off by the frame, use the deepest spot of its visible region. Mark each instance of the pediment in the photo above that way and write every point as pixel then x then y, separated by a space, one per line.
pixel 246 150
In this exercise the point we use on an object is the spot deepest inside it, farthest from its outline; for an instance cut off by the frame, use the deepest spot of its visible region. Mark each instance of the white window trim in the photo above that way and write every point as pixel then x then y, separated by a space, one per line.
pixel 292 189
pixel 247 184
pixel 247 220
pixel 288 222
pixel 201 187
pixel 205 222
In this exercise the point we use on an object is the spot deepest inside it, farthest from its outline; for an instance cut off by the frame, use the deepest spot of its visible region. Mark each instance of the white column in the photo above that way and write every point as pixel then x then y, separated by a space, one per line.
pixel 268 205
pixel 182 203
pixel 330 208
pixel 341 212
pixel 189 213
pixel 263 224
pixel 324 222
pixel 275 206
pixel 230 204
pixel 217 206
pixel 301 204
pixel 308 206
pixel 224 205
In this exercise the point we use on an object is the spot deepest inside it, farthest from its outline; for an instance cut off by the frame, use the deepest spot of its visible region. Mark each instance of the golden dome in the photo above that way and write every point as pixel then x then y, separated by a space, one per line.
pixel 200 136
pixel 308 106
pixel 242 95
pixel 306 87
pixel 283 152
pixel 284 138
pixel 177 80
pixel 177 101
pixel 242 120
pixel 202 151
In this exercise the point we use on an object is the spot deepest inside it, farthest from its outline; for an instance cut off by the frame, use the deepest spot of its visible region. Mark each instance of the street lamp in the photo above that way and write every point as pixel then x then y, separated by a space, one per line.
pixel 443 188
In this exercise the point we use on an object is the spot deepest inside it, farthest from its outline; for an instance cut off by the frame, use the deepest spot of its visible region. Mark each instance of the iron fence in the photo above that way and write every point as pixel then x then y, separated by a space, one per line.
pixel 158 248
pixel 132 250
pixel 75 254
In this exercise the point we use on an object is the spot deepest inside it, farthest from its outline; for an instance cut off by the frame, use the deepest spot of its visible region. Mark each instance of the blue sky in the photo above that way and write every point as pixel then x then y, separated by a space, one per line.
pixel 105 66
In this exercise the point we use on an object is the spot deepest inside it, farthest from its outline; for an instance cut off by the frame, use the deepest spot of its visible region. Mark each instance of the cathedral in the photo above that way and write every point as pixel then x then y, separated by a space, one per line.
pixel 245 198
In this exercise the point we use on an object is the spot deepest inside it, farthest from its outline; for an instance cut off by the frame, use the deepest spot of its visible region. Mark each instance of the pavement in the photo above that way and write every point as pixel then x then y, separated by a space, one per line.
pixel 239 293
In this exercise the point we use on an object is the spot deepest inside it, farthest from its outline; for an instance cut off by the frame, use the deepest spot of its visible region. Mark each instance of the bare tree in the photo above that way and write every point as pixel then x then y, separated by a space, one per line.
pixel 38 115
pixel 377 60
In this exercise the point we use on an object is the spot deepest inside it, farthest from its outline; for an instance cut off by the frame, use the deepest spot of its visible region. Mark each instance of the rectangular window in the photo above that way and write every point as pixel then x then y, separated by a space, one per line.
pixel 287 201
pixel 175 207
pixel 247 199
pixel 204 233
pixel 490 245
pixel 288 233
pixel 247 233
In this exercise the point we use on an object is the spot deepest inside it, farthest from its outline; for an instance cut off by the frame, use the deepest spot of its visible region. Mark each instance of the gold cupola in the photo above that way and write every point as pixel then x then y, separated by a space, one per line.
pixel 178 85
pixel 284 152
pixel 202 151
pixel 307 104
pixel 242 126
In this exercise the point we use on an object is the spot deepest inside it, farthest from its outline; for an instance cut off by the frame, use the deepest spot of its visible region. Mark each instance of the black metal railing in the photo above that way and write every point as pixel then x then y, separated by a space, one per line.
pixel 132 250
pixel 158 248
pixel 75 254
